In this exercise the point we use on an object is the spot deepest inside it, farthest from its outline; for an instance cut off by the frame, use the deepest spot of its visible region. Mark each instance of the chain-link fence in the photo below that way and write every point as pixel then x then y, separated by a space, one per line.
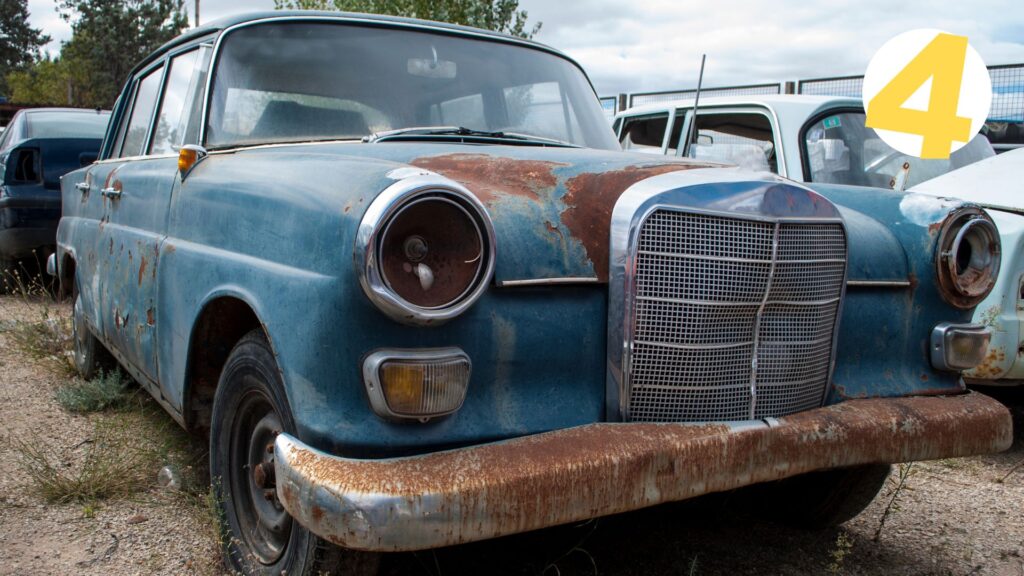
pixel 1007 92
pixel 839 86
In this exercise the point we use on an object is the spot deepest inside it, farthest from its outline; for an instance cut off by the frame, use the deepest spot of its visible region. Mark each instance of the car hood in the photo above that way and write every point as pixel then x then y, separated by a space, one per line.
pixel 551 207
pixel 994 183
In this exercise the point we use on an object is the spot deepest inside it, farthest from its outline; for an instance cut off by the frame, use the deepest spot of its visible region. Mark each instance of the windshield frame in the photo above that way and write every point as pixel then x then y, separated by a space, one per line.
pixel 418 26
pixel 818 116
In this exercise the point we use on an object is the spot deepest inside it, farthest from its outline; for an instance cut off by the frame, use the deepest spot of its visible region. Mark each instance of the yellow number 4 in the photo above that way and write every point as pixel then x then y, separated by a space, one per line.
pixel 942 60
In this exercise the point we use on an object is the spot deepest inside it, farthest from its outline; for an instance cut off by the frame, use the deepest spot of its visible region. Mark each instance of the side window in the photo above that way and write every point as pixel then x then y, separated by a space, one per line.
pixel 169 127
pixel 644 134
pixel 744 139
pixel 142 113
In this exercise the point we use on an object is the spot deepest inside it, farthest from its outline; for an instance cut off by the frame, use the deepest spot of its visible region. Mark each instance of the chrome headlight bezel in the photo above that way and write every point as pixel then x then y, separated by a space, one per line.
pixel 374 224
pixel 968 256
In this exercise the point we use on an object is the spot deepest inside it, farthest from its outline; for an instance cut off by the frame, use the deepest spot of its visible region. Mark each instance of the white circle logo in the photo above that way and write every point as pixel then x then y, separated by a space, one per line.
pixel 927 93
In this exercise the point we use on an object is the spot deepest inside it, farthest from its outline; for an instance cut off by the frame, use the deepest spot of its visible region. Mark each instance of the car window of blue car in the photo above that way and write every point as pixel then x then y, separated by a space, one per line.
pixel 301 81
pixel 840 149
pixel 142 114
pixel 65 124
pixel 169 126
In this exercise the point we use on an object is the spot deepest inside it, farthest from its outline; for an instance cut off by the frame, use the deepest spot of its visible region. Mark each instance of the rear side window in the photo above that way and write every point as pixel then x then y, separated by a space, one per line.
pixel 644 134
pixel 169 127
pixel 142 113
pixel 45 124
pixel 742 139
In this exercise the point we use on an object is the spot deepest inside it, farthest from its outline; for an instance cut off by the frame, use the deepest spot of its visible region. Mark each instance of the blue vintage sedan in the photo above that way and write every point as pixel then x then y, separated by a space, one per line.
pixel 38 147
pixel 402 275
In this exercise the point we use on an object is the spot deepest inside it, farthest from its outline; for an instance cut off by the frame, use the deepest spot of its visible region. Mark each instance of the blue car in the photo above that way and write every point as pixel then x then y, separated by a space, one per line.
pixel 38 147
pixel 403 277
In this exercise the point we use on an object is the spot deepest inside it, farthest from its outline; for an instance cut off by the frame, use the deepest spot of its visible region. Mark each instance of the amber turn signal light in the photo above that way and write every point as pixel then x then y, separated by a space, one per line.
pixel 416 384
pixel 188 156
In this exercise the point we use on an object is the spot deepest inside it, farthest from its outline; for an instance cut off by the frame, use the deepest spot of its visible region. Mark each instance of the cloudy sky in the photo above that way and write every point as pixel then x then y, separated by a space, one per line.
pixel 645 45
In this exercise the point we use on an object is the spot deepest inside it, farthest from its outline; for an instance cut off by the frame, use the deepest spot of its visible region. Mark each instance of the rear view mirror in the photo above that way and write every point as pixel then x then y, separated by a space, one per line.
pixel 428 68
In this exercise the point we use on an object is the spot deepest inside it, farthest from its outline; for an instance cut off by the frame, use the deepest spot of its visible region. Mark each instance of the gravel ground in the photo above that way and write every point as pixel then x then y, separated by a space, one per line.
pixel 954 517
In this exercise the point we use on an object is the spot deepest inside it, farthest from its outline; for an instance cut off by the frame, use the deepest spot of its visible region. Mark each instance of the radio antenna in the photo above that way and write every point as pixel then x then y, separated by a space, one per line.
pixel 696 103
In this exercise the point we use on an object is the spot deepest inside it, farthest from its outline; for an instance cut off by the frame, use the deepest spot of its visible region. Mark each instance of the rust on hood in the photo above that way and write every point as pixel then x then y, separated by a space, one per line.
pixel 569 475
pixel 491 178
pixel 590 198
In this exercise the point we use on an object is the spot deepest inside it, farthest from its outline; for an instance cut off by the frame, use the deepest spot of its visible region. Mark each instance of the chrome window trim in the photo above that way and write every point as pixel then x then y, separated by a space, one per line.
pixel 631 210
pixel 378 215
pixel 424 27
pixel 371 377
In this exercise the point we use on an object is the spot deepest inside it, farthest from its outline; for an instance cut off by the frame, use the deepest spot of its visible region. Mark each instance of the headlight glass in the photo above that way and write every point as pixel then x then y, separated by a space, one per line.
pixel 431 252
pixel 969 257
pixel 424 250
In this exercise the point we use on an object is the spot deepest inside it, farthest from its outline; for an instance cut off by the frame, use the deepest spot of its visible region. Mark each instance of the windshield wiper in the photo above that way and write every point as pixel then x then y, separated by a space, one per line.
pixel 463 131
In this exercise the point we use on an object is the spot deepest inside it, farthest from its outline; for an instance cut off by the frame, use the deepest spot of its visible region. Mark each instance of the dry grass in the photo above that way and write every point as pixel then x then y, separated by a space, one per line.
pixel 111 463
pixel 109 390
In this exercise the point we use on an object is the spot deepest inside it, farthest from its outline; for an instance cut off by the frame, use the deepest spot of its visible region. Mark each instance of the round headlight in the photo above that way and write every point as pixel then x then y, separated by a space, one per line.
pixel 969 257
pixel 425 250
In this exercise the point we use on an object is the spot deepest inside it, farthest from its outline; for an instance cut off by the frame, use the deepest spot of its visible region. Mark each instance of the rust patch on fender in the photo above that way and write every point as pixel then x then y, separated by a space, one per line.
pixel 492 178
pixel 150 317
pixel 590 198
pixel 991 366
pixel 142 269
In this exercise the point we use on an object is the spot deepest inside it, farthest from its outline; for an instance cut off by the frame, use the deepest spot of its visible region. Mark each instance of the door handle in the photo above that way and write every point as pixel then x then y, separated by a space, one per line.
pixel 112 193
pixel 82 187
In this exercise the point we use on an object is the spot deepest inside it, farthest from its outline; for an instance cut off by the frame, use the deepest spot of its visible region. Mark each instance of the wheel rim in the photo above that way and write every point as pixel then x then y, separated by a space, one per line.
pixel 79 332
pixel 264 525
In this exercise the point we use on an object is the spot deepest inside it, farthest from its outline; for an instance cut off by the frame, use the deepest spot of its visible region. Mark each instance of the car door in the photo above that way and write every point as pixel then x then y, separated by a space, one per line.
pixel 137 189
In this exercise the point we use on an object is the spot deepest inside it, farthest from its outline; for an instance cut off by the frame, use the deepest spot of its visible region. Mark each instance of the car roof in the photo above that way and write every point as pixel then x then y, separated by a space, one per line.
pixel 795 102
pixel 72 110
pixel 221 24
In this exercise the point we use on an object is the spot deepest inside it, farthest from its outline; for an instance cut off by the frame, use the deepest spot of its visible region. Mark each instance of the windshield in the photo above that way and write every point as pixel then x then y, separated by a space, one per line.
pixel 66 124
pixel 839 149
pixel 297 81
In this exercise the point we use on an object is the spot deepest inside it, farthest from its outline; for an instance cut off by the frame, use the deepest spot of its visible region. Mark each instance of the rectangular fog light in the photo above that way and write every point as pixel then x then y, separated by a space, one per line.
pixel 959 346
pixel 416 384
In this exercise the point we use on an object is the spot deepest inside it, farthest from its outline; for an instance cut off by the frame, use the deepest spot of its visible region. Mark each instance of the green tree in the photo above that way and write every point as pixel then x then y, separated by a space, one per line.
pixel 499 15
pixel 109 37
pixel 47 81
pixel 19 42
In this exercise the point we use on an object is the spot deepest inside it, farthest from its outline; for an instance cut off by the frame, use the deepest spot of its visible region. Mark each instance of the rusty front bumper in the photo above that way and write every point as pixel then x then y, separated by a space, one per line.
pixel 569 475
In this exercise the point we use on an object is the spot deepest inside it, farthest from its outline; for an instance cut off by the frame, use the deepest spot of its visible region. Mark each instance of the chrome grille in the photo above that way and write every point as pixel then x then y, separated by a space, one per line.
pixel 711 294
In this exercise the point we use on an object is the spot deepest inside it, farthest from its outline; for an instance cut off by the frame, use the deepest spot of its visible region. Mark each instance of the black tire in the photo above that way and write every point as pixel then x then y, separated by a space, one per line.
pixel 821 499
pixel 258 535
pixel 90 356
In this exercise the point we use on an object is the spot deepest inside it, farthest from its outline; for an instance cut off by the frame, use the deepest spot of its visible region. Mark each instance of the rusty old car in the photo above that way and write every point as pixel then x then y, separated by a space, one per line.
pixel 402 275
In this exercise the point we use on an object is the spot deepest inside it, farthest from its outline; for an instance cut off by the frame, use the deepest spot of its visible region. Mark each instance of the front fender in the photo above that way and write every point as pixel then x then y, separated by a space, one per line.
pixel 893 300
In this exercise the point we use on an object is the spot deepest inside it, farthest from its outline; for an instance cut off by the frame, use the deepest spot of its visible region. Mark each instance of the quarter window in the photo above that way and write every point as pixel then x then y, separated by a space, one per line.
pixel 169 126
pixel 745 140
pixel 142 113
pixel 644 134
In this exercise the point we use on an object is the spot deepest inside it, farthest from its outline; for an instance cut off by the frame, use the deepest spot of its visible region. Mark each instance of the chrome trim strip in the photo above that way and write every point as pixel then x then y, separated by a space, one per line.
pixel 378 214
pixel 751 304
pixel 878 283
pixel 371 377
pixel 547 281
pixel 738 260
pixel 759 316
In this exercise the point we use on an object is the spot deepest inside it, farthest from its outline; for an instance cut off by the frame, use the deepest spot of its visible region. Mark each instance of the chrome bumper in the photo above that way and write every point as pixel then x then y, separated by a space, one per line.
pixel 569 475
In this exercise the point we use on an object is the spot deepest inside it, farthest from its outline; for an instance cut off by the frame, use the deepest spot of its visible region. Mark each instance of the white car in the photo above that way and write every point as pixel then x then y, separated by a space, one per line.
pixel 823 139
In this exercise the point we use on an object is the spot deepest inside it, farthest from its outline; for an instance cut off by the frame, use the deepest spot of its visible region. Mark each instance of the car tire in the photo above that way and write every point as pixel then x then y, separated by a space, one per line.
pixel 821 499
pixel 90 356
pixel 258 536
